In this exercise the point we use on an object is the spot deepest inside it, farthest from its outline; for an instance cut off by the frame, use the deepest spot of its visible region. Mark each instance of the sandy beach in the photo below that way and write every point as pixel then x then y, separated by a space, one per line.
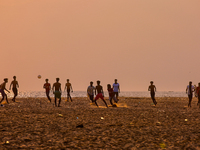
pixel 35 123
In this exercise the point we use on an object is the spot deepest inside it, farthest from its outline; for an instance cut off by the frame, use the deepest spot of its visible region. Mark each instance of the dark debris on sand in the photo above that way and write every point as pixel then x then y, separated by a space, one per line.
pixel 34 123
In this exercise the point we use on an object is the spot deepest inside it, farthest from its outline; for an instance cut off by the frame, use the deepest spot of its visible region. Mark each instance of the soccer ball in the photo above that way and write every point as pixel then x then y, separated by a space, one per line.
pixel 39 76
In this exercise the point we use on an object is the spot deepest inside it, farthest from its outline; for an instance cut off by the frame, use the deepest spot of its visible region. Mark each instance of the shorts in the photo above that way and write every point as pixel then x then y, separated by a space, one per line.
pixel 68 91
pixel 14 91
pixel 2 93
pixel 116 93
pixel 100 95
pixel 57 94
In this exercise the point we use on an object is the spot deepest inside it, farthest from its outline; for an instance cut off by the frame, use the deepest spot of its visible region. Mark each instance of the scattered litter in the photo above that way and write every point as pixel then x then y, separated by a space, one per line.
pixel 186 120
pixel 162 145
pixel 1 105
pixel 18 106
pixel 79 126
pixel 158 123
pixel 60 115
pixel 102 118
pixel 77 118
pixel 7 142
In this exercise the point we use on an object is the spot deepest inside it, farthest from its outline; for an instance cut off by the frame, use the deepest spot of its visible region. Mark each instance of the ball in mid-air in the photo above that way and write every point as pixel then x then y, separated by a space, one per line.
pixel 39 76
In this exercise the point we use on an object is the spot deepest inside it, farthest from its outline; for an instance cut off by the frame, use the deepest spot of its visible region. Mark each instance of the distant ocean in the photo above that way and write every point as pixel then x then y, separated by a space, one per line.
pixel 26 94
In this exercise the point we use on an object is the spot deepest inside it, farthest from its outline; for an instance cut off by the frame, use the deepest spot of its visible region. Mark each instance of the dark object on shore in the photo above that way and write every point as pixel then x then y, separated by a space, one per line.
pixel 79 126
pixel 114 105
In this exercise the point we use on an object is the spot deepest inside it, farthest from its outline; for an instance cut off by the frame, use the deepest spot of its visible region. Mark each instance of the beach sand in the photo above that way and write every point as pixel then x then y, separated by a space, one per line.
pixel 35 123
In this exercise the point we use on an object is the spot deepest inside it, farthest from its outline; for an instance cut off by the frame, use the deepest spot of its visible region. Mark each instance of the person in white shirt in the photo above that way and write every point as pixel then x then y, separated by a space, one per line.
pixel 189 90
pixel 90 91
pixel 116 89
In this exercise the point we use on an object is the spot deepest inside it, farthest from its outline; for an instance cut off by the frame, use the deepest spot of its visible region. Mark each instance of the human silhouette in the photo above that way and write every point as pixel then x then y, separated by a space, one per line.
pixel 2 88
pixel 189 90
pixel 198 94
pixel 152 89
pixel 90 91
pixel 116 89
pixel 14 84
pixel 47 87
pixel 57 91
pixel 68 86
pixel 111 94
pixel 99 93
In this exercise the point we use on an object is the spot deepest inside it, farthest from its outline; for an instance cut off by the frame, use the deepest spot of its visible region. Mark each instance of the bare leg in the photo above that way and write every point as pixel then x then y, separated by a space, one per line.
pixel 59 102
pixel 55 101
pixel 105 102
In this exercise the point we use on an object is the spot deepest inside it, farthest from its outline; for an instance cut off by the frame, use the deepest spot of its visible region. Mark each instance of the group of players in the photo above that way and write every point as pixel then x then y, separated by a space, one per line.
pixel 91 91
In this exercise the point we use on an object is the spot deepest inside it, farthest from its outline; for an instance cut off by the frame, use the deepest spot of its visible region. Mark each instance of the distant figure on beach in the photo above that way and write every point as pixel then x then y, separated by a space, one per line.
pixel 47 87
pixel 189 90
pixel 14 85
pixel 111 94
pixel 2 88
pixel 198 94
pixel 152 89
pixel 69 87
pixel 90 91
pixel 57 91
pixel 99 90
pixel 116 89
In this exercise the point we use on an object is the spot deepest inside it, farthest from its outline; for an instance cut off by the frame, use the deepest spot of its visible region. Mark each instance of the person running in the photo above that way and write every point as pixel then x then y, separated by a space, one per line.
pixel 14 85
pixel 99 90
pixel 69 87
pixel 57 91
pixel 189 90
pixel 116 89
pixel 152 89
pixel 2 88
pixel 111 94
pixel 47 87
pixel 198 94
pixel 90 91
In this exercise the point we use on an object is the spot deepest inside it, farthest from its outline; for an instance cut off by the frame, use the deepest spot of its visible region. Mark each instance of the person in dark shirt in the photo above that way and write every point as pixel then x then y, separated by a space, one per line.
pixel 152 89
pixel 111 94
pixel 47 87
pixel 2 88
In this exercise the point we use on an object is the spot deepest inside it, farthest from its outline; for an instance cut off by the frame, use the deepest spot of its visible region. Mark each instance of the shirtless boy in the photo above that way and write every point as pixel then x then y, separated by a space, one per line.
pixel 2 88
pixel 152 89
pixel 14 85
pixel 57 91
pixel 99 90
pixel 68 86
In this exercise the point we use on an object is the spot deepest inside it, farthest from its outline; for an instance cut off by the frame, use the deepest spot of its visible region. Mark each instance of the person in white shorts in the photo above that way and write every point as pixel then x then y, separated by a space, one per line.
pixel 116 89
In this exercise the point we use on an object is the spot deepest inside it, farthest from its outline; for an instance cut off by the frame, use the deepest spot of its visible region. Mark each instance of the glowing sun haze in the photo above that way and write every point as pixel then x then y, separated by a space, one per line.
pixel 135 41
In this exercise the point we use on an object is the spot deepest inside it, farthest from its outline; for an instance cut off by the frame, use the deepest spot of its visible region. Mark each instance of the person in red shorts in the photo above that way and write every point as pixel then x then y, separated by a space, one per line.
pixel 99 90
pixel 47 87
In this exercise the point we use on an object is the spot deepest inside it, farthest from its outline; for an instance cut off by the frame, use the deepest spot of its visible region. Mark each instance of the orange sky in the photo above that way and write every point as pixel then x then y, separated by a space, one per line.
pixel 134 41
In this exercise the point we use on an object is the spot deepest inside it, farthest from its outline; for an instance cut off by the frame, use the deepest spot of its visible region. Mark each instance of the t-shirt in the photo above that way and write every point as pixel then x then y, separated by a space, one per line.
pixel 192 88
pixel 116 87
pixel 47 86
pixel 90 90
pixel 111 93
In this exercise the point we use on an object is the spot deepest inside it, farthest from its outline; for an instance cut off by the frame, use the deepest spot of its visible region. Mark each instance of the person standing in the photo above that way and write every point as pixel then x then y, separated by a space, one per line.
pixel 57 91
pixel 69 87
pixel 90 91
pixel 116 89
pixel 14 85
pixel 111 94
pixel 152 89
pixel 198 94
pixel 189 90
pixel 99 93
pixel 47 87
pixel 2 88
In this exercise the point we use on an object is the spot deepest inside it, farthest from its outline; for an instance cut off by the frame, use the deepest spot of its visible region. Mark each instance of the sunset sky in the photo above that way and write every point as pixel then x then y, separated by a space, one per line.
pixel 135 41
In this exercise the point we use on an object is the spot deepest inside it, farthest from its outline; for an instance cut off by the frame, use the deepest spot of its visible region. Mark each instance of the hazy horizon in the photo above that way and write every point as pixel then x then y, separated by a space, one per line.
pixel 133 41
